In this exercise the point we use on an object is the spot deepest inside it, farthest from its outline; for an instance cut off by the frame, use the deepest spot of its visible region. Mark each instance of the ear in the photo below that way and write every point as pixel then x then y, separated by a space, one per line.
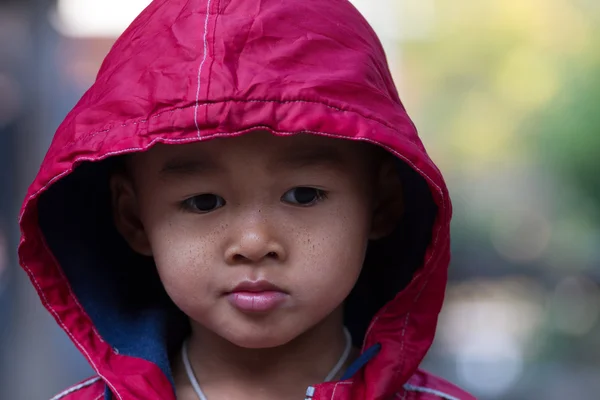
pixel 126 214
pixel 388 205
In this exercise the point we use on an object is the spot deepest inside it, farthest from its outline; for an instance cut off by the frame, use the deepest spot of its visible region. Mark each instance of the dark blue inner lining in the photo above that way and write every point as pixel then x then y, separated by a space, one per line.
pixel 121 291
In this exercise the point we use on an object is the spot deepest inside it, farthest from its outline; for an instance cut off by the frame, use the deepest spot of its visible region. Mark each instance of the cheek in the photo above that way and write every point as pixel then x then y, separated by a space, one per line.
pixel 334 251
pixel 184 259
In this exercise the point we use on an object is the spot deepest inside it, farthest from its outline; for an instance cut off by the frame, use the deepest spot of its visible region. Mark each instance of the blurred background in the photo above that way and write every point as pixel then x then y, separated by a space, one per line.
pixel 506 95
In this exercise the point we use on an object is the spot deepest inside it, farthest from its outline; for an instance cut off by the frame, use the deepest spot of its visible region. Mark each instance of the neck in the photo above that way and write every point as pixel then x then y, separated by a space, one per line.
pixel 274 372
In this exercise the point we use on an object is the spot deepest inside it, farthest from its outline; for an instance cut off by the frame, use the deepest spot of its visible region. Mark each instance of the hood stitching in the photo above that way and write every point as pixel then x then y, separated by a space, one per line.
pixel 436 235
pixel 75 388
pixel 205 53
pixel 429 274
pixel 209 103
pixel 213 47
pixel 42 189
pixel 64 278
pixel 421 389
pixel 196 139
pixel 336 385
pixel 62 324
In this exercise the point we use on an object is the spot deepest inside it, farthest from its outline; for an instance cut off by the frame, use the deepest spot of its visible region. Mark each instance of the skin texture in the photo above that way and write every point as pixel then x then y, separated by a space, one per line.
pixel 215 214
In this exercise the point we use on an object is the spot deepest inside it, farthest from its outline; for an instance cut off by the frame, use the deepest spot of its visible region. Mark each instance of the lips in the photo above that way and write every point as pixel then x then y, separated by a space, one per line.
pixel 256 296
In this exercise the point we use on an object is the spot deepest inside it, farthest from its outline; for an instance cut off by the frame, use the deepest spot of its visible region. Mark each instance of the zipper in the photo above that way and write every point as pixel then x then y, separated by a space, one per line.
pixel 310 392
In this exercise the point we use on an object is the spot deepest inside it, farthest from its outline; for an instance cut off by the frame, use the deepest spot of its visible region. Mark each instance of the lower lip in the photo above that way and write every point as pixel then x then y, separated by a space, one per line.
pixel 256 302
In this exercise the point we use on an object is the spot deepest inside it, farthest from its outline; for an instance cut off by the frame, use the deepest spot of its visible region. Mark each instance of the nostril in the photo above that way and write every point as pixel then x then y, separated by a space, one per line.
pixel 241 258
pixel 238 258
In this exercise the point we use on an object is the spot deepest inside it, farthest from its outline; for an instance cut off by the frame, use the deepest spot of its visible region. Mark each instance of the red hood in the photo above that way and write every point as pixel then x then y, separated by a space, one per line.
pixel 189 70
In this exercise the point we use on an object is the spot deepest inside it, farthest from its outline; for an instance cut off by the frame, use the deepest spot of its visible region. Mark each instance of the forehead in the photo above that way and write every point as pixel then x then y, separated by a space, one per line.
pixel 257 148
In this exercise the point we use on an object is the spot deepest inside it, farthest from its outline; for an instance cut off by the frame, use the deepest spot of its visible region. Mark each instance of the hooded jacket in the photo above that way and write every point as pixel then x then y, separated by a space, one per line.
pixel 191 70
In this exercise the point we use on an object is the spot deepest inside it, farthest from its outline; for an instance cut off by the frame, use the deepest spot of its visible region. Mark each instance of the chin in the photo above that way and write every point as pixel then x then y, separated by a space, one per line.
pixel 258 338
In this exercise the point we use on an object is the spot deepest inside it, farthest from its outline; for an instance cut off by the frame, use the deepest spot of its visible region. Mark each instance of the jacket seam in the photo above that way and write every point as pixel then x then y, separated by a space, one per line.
pixel 336 385
pixel 208 103
pixel 421 389
pixel 59 320
pixel 212 49
pixel 64 278
pixel 204 57
pixel 426 263
pixel 75 388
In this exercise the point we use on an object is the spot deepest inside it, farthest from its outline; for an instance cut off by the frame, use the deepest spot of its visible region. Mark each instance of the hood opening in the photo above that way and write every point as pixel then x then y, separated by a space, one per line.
pixel 391 262
pixel 121 291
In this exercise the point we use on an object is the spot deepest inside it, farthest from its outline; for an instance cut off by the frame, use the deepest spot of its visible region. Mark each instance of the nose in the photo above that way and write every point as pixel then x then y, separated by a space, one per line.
pixel 254 242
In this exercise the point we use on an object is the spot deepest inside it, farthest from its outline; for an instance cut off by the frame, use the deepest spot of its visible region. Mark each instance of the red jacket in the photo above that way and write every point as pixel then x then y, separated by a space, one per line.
pixel 189 70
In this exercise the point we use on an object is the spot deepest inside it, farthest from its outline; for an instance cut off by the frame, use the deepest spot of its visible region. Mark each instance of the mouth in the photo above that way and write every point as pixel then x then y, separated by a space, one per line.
pixel 256 296
pixel 256 287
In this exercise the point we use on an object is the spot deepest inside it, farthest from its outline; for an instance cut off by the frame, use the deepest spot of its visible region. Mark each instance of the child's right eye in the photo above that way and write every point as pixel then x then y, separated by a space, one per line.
pixel 204 203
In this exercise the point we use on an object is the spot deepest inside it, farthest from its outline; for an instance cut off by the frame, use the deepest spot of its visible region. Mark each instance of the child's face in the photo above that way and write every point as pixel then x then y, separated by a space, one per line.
pixel 287 217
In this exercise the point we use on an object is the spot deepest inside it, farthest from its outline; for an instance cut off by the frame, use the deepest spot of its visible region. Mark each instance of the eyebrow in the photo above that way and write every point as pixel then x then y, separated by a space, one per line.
pixel 188 166
pixel 319 156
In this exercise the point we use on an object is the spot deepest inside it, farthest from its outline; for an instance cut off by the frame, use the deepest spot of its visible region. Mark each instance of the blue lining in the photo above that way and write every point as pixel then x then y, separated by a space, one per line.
pixel 361 361
pixel 120 290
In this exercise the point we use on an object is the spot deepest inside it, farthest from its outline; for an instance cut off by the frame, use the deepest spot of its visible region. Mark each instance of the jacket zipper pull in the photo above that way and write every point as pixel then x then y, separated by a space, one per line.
pixel 310 392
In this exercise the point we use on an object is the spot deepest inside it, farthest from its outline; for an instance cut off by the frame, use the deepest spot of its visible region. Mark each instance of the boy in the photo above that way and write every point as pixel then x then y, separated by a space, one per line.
pixel 241 208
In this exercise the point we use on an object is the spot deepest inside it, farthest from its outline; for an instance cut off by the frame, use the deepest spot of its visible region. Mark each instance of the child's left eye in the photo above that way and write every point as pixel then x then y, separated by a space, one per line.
pixel 303 196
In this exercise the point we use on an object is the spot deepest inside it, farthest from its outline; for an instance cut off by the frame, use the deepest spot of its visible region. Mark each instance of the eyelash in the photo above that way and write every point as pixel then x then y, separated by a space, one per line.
pixel 320 195
pixel 187 204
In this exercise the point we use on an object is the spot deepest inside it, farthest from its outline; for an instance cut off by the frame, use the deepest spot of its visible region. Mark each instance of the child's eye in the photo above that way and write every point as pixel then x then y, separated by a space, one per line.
pixel 204 203
pixel 303 196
